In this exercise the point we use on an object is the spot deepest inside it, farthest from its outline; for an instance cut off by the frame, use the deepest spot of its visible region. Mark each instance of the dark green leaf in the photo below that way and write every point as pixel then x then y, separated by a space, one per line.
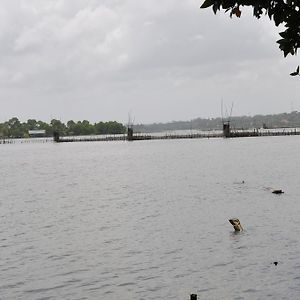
pixel 216 7
pixel 207 3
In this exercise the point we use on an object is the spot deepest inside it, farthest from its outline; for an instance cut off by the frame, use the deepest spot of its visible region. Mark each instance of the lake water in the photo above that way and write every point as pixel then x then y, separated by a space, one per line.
pixel 149 219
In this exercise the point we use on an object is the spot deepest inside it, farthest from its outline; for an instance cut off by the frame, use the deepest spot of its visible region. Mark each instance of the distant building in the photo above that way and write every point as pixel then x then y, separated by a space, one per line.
pixel 37 133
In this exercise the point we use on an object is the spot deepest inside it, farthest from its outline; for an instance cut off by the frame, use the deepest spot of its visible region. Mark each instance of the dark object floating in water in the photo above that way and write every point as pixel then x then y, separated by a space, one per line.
pixel 278 192
pixel 275 263
pixel 193 297
pixel 236 224
pixel 296 72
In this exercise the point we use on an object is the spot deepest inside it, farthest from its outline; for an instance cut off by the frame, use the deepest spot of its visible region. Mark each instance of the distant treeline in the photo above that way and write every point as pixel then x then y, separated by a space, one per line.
pixel 244 122
pixel 16 129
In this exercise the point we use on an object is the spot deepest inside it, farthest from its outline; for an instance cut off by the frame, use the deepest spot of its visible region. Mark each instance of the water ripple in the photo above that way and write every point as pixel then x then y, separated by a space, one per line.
pixel 150 220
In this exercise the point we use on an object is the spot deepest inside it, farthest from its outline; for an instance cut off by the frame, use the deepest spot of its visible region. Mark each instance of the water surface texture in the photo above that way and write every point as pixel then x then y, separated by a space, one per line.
pixel 149 219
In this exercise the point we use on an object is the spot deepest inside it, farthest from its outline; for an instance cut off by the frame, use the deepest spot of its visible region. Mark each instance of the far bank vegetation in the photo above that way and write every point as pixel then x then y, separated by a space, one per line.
pixel 16 129
pixel 283 120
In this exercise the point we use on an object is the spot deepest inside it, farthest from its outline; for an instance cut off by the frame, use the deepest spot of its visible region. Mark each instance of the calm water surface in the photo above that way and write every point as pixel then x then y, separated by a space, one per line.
pixel 149 220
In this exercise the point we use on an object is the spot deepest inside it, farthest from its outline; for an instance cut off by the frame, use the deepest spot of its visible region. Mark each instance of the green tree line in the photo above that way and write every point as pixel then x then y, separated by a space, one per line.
pixel 14 128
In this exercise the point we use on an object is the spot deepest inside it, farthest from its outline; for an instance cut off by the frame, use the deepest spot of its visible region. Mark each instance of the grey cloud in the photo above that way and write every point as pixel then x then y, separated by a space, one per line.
pixel 98 59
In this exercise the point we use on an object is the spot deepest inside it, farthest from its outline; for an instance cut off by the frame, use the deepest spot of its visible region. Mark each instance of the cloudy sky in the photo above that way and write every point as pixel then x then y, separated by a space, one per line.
pixel 159 60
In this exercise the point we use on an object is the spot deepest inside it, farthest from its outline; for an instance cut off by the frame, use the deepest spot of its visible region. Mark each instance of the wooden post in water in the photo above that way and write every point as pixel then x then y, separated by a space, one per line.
pixel 56 136
pixel 226 129
pixel 193 296
pixel 129 134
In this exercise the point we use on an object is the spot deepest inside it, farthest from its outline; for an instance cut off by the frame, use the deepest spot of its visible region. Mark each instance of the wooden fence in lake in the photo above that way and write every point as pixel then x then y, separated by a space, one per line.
pixel 147 137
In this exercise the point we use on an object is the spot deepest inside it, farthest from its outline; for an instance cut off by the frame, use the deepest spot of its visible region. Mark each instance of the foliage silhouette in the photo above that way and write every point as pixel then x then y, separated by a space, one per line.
pixel 286 13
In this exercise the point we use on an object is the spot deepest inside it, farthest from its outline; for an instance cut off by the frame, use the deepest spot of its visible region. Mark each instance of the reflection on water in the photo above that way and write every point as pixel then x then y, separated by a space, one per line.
pixel 149 220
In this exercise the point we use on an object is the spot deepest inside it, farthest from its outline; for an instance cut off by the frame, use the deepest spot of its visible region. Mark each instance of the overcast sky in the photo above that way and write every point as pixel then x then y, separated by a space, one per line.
pixel 159 60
